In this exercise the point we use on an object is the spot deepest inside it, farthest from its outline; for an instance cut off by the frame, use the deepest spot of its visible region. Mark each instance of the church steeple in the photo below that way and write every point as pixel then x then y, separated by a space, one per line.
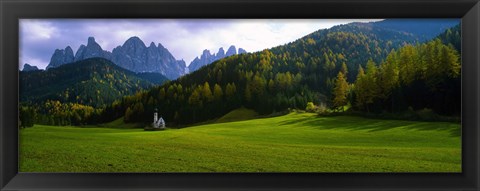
pixel 155 116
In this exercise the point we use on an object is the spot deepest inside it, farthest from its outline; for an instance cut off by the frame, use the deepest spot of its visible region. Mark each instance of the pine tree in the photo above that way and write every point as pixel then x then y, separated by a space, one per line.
pixel 371 87
pixel 217 92
pixel 128 114
pixel 360 87
pixel 340 91
pixel 248 94
pixel 207 93
pixel 344 69
pixel 230 90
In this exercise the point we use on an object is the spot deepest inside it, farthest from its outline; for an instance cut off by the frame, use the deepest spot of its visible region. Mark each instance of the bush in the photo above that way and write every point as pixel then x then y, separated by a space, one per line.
pixel 310 107
pixel 427 115
pixel 322 109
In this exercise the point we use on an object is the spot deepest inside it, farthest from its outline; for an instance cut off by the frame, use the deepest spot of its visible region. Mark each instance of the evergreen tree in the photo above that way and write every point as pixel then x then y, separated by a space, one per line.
pixel 207 92
pixel 340 91
pixel 26 116
pixel 360 87
pixel 217 92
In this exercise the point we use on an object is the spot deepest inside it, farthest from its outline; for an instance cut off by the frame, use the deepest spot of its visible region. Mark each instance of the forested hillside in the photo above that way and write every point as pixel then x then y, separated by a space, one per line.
pixel 423 76
pixel 423 29
pixel 95 82
pixel 72 93
pixel 311 69
pixel 452 36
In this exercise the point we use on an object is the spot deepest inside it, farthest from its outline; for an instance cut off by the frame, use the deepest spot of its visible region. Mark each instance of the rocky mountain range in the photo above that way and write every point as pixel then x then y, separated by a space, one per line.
pixel 92 50
pixel 133 55
pixel 207 58
pixel 61 57
pixel 28 68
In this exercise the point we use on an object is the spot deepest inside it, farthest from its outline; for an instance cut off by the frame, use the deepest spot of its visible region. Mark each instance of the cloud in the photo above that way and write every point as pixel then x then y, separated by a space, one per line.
pixel 35 30
pixel 184 38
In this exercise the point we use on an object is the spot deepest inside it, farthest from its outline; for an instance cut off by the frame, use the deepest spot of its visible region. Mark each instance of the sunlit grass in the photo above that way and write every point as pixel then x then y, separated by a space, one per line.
pixel 291 143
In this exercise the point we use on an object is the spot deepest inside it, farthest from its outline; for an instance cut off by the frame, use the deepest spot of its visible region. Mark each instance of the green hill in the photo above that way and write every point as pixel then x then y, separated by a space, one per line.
pixel 120 124
pixel 239 114
pixel 155 78
pixel 94 82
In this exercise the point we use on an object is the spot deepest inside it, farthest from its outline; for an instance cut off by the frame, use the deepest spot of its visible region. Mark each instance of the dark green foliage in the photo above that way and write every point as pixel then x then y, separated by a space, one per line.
pixel 57 113
pixel 27 116
pixel 452 36
pixel 422 76
pixel 96 82
pixel 154 78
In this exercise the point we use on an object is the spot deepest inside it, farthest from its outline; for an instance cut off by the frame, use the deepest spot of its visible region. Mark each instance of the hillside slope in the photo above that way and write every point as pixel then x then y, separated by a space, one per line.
pixel 95 82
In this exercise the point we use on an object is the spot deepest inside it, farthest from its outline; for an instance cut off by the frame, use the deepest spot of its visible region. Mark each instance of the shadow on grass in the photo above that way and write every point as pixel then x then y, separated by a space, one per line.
pixel 372 125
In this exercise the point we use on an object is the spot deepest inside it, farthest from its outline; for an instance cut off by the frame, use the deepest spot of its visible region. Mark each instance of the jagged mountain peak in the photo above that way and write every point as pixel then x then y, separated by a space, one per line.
pixel 221 52
pixel 241 51
pixel 206 52
pixel 69 49
pixel 231 51
pixel 60 57
pixel 152 44
pixel 93 49
pixel 91 41
pixel 134 42
pixel 133 55
pixel 207 58
pixel 27 68
pixel 134 39
pixel 160 46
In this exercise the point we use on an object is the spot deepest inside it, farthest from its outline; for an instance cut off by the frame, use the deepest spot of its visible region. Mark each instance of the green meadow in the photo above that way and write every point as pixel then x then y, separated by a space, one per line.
pixel 296 142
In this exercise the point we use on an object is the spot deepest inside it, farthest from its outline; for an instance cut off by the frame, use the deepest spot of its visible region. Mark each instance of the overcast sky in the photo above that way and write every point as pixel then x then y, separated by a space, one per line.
pixel 184 38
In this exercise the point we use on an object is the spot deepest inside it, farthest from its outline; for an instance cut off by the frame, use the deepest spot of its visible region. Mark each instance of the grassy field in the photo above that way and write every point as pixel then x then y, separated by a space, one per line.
pixel 240 114
pixel 297 142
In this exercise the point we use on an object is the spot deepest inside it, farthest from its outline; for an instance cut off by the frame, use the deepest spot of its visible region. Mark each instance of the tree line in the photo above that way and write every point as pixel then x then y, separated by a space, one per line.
pixel 421 76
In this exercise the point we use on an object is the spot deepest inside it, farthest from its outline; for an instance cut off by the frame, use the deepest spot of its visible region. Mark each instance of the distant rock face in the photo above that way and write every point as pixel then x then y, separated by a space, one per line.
pixel 61 57
pixel 28 68
pixel 133 55
pixel 220 53
pixel 92 50
pixel 207 58
pixel 231 51
pixel 241 51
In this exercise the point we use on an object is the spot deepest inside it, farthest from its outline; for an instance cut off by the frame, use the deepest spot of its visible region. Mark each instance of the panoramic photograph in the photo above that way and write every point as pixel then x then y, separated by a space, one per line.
pixel 240 95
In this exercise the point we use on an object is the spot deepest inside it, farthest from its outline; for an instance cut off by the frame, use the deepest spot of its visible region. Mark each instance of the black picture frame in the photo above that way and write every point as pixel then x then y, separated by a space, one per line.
pixel 11 11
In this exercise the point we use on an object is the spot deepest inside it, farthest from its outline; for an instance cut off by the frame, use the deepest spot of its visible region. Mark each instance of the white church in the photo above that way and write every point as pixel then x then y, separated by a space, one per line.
pixel 158 123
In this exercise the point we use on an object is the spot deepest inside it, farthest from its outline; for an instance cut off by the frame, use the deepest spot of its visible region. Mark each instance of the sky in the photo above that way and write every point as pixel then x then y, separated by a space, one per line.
pixel 184 38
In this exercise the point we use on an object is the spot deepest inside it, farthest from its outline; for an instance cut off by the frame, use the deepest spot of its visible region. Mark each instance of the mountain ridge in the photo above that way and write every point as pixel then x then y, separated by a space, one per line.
pixel 132 55
pixel 207 57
